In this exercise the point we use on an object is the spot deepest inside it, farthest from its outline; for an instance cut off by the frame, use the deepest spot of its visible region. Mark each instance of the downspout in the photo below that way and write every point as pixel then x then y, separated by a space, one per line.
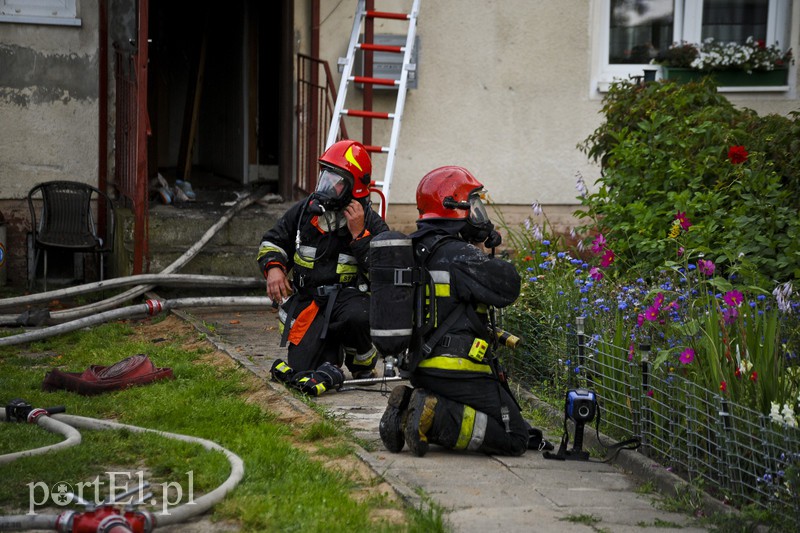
pixel 102 101
pixel 142 131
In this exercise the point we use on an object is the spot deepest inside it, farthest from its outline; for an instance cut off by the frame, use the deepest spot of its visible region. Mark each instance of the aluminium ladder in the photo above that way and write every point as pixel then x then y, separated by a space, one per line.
pixel 339 111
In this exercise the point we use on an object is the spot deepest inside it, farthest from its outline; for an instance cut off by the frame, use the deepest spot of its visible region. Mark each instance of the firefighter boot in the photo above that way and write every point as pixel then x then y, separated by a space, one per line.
pixel 315 383
pixel 391 426
pixel 419 419
pixel 536 441
pixel 280 371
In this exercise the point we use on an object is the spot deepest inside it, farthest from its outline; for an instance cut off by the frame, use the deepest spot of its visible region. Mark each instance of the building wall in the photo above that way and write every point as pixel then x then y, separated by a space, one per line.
pixel 504 89
pixel 48 115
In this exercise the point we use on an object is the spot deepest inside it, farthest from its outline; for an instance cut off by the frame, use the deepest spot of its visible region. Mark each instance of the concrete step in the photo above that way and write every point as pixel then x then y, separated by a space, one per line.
pixel 175 229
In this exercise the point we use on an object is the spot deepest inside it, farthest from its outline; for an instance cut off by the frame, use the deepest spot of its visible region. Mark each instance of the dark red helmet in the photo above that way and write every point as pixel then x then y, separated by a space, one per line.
pixel 351 160
pixel 450 192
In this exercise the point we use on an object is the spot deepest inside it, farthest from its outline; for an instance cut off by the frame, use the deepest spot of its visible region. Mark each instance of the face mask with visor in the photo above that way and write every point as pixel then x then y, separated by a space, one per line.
pixel 334 191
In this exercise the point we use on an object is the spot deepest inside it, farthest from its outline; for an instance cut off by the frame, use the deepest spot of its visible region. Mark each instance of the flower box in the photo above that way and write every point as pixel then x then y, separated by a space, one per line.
pixel 730 78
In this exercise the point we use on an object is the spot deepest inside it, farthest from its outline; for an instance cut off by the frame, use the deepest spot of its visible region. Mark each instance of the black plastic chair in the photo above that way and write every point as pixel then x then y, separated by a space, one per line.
pixel 65 221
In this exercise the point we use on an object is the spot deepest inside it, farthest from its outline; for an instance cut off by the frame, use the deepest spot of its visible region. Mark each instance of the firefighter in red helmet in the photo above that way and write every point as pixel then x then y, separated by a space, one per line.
pixel 322 244
pixel 459 398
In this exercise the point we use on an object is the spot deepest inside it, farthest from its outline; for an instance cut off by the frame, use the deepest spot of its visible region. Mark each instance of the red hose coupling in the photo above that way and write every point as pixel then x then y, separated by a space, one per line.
pixel 140 521
pixel 34 415
pixel 154 307
pixel 105 519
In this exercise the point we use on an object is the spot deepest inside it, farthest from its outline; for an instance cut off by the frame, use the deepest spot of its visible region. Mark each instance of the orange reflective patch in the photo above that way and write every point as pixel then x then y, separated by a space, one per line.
pixel 302 323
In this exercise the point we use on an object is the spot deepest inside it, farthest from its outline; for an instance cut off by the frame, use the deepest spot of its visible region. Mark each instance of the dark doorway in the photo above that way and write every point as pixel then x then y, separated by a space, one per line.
pixel 213 92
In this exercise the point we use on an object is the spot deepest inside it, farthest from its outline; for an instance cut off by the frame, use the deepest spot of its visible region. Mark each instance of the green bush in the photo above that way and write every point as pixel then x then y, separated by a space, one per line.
pixel 667 149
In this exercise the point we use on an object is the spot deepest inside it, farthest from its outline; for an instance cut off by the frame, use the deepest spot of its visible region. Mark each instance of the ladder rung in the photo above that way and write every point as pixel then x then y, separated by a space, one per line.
pixel 368 114
pixel 375 149
pixel 375 81
pixel 382 47
pixel 387 15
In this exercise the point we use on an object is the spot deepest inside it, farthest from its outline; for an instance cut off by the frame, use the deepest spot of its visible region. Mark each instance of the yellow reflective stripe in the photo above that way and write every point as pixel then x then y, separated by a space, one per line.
pixel 482 308
pixel 346 269
pixel 465 433
pixel 266 247
pixel 300 261
pixel 453 362
pixel 441 282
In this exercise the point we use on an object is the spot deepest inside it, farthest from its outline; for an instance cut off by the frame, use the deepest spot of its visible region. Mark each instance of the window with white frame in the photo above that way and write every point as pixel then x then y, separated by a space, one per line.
pixel 635 32
pixel 57 12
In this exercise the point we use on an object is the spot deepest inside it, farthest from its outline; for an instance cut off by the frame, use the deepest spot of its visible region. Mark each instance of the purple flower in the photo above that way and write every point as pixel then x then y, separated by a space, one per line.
pixel 595 273
pixel 733 298
pixel 730 314
pixel 706 267
pixel 687 356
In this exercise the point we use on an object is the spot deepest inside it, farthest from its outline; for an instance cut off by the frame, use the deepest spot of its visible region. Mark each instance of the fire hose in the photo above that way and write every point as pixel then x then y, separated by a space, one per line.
pixel 149 307
pixel 105 517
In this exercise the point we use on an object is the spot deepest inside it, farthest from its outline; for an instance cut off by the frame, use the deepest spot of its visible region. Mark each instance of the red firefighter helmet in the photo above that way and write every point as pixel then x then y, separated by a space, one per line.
pixel 448 192
pixel 352 158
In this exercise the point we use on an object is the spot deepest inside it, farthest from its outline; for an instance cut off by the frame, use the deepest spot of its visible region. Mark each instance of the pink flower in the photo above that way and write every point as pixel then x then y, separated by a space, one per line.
pixel 729 315
pixel 681 251
pixel 607 259
pixel 685 223
pixel 595 274
pixel 723 386
pixel 599 244
pixel 650 393
pixel 658 300
pixel 651 313
pixel 630 352
pixel 640 320
pixel 733 298
pixel 687 356
pixel 737 154
pixel 706 267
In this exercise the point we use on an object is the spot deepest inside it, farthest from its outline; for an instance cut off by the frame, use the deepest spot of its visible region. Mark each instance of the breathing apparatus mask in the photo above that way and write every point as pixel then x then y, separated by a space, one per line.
pixel 478 227
pixel 334 191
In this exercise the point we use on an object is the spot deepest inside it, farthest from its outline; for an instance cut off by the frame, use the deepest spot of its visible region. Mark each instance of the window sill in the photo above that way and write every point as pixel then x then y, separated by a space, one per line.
pixel 45 21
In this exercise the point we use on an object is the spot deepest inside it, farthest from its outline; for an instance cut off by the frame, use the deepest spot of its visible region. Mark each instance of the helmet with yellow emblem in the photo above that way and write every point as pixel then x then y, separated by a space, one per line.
pixel 345 173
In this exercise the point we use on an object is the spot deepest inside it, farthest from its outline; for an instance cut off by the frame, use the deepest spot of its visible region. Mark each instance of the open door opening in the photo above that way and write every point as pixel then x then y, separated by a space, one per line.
pixel 213 95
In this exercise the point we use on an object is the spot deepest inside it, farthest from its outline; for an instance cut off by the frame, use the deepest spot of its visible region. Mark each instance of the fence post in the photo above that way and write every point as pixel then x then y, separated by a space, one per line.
pixel 644 347
pixel 724 427
pixel 579 325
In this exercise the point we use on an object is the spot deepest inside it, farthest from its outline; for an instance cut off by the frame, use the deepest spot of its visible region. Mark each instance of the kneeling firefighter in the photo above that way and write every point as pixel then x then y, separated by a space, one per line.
pixel 459 400
pixel 323 240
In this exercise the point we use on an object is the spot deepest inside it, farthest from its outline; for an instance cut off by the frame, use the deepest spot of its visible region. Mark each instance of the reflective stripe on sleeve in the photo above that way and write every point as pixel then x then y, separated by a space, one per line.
pixel 266 247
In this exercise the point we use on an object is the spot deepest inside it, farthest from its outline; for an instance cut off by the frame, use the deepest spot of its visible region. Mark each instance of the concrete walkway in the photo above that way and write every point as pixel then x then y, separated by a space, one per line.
pixel 478 493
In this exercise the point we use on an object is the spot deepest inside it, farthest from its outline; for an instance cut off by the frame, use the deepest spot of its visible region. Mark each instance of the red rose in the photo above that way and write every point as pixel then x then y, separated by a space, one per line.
pixel 737 154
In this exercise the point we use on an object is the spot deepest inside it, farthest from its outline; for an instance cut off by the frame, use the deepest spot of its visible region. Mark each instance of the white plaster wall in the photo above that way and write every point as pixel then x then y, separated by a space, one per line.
pixel 504 90
pixel 49 132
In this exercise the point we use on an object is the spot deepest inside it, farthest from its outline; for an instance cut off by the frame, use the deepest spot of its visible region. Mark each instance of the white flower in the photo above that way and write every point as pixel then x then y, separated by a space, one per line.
pixel 580 185
pixel 783 293
pixel 775 412
pixel 788 415
pixel 537 208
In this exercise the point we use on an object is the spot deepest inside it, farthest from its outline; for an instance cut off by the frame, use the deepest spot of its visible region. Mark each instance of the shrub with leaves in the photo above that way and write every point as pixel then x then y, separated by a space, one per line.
pixel 667 148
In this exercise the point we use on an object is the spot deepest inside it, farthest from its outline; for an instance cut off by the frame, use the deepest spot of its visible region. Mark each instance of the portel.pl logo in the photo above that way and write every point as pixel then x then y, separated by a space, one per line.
pixel 63 493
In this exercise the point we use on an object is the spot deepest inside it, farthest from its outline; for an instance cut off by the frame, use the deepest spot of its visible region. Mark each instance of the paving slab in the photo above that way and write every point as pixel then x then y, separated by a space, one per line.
pixel 478 493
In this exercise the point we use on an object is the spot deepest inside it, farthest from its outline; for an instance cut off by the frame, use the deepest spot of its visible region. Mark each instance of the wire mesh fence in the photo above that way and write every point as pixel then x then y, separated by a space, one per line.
pixel 735 453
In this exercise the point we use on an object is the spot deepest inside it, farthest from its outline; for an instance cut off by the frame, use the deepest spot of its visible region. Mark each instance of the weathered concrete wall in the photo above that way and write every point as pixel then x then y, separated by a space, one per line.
pixel 48 115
